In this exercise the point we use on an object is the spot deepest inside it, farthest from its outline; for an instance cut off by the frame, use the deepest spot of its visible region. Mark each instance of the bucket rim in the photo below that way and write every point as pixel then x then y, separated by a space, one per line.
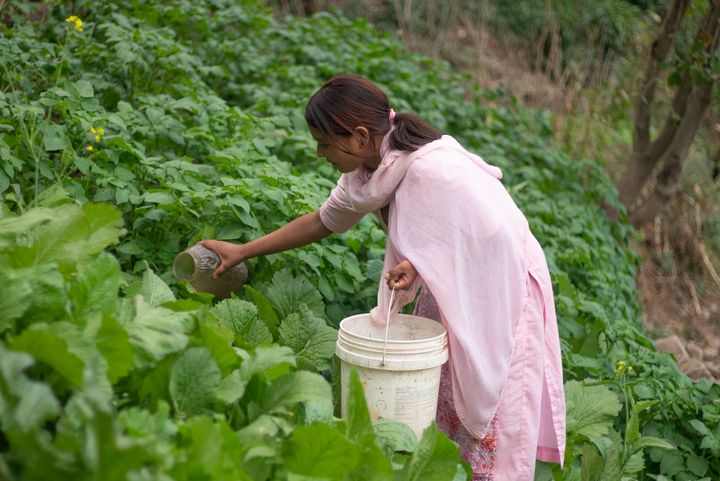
pixel 437 337
pixel 425 346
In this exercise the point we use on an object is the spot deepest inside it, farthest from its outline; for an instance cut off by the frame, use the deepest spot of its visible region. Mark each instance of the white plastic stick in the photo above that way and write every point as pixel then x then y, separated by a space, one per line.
pixel 387 325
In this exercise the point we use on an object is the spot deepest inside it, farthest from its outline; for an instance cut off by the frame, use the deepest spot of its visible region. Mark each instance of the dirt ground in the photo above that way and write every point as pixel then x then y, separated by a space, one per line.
pixel 669 307
pixel 681 300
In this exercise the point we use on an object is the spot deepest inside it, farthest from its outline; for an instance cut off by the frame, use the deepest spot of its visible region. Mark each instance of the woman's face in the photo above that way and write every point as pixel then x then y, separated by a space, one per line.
pixel 344 160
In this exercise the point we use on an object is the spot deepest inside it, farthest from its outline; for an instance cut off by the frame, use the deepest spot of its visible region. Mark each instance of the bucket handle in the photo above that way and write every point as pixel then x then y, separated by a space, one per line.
pixel 387 326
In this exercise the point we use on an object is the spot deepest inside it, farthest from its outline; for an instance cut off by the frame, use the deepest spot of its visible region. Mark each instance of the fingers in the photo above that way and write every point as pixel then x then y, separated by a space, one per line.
pixel 209 244
pixel 401 276
pixel 216 247
pixel 401 284
pixel 220 270
pixel 398 280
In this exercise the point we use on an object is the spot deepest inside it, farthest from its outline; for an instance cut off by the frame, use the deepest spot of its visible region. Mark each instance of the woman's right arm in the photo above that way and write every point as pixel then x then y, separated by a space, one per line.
pixel 297 233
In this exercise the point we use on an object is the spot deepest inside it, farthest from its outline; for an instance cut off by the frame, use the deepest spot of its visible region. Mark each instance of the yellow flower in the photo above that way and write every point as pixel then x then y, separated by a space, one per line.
pixel 99 132
pixel 619 367
pixel 89 148
pixel 77 23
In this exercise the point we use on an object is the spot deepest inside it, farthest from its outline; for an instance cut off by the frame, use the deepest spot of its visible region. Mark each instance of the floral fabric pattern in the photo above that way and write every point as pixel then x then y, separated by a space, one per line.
pixel 479 453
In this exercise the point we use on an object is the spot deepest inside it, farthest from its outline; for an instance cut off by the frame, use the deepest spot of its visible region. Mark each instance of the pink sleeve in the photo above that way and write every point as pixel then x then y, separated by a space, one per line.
pixel 336 213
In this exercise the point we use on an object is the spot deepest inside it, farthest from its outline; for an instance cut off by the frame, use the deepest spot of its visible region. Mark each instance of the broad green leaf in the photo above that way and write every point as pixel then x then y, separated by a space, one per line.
pixel 435 458
pixel 212 451
pixel 634 463
pixel 359 425
pixel 81 344
pixel 24 404
pixel 15 225
pixel 261 430
pixel 242 317
pixel 312 340
pixel 286 293
pixel 265 309
pixel 672 463
pixel 374 465
pixel 592 464
pixel 394 436
pixel 194 379
pixel 154 382
pixel 700 427
pixel 74 233
pixel 231 388
pixel 113 342
pixel 49 297
pixel 157 332
pixel 84 88
pixel 154 289
pixel 285 392
pixel 50 348
pixel 650 442
pixel 104 224
pixel 321 452
pixel 53 137
pixel 697 464
pixel 374 269
pixel 159 198
pixel 107 453
pixel 272 361
pixel 40 460
pixel 140 422
pixel 611 463
pixel 590 409
pixel 94 289
pixel 218 339
pixel 15 298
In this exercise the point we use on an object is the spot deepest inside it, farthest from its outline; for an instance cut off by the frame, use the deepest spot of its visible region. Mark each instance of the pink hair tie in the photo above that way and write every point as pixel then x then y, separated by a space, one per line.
pixel 392 115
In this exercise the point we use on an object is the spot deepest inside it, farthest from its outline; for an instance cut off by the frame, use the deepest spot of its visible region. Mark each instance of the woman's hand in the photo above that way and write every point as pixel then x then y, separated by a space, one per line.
pixel 230 254
pixel 401 276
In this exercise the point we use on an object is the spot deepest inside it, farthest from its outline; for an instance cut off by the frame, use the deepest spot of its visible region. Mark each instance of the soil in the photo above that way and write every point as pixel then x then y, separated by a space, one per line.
pixel 686 304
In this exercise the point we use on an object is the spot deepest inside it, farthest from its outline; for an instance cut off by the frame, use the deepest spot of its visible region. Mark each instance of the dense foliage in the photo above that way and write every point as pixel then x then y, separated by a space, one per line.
pixel 187 118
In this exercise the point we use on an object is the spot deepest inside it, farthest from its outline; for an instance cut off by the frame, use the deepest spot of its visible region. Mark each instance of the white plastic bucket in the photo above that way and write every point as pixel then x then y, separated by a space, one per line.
pixel 404 388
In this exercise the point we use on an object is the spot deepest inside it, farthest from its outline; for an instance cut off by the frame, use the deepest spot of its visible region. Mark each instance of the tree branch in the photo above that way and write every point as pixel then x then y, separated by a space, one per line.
pixel 659 51
pixel 643 162
pixel 641 165
pixel 669 177
pixel 647 155
pixel 677 110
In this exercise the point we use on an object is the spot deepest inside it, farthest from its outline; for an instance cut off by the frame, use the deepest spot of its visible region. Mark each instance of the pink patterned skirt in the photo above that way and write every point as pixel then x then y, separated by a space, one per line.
pixel 479 453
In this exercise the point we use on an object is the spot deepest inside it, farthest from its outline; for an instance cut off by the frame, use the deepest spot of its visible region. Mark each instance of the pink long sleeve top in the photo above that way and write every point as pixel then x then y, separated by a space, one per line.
pixel 451 217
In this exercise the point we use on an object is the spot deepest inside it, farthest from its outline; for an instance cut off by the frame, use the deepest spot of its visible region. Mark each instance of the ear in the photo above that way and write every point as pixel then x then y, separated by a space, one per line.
pixel 363 136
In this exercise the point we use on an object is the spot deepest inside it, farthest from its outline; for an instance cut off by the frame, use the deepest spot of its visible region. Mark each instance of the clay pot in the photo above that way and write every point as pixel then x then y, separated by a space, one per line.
pixel 197 264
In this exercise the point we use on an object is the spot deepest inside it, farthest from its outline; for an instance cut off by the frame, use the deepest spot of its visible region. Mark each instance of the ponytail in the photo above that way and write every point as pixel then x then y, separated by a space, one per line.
pixel 411 132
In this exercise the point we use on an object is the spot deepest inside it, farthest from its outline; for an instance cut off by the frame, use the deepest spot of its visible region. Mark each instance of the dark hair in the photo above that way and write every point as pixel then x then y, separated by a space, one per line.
pixel 347 101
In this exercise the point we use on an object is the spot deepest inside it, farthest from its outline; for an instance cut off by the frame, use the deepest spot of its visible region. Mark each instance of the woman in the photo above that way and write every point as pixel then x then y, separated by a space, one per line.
pixel 453 230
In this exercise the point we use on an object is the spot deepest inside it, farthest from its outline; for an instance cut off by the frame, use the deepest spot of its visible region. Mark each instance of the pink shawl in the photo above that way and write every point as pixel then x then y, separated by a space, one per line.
pixel 451 217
